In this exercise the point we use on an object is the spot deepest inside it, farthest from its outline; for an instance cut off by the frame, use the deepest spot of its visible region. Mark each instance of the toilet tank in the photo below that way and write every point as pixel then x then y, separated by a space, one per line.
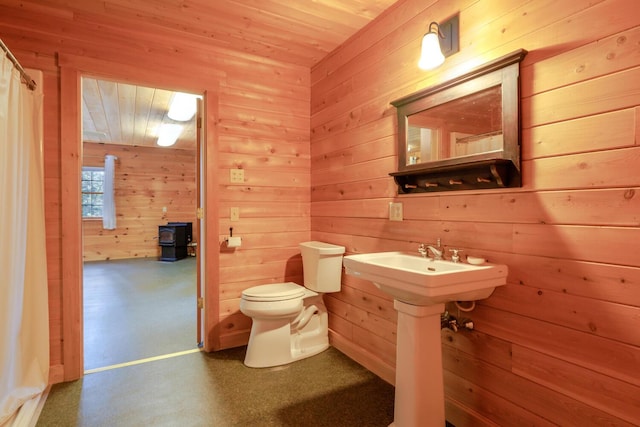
pixel 322 266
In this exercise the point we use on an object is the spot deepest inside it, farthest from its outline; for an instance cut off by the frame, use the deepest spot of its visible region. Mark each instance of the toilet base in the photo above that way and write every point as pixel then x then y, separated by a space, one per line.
pixel 276 342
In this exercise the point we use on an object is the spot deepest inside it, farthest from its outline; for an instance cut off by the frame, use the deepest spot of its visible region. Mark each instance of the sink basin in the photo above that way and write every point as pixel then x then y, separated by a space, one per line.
pixel 415 280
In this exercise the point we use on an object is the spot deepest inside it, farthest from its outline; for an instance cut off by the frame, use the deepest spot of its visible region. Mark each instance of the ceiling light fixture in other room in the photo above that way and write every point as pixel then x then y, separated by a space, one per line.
pixel 168 134
pixel 183 107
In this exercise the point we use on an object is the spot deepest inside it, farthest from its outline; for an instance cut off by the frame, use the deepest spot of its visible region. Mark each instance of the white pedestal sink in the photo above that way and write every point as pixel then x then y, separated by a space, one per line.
pixel 420 287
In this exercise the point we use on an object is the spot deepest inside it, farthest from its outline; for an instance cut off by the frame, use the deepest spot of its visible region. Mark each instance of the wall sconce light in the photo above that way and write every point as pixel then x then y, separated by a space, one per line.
pixel 441 41
pixel 168 134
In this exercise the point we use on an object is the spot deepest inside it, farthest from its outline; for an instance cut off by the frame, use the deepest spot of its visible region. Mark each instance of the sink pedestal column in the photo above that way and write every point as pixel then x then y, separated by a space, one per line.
pixel 419 399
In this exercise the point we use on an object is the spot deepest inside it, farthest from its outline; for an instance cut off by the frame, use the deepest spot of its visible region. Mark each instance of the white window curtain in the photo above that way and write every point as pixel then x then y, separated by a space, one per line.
pixel 108 196
pixel 24 313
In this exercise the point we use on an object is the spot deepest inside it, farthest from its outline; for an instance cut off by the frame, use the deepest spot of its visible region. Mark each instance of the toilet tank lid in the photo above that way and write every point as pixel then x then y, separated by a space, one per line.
pixel 324 248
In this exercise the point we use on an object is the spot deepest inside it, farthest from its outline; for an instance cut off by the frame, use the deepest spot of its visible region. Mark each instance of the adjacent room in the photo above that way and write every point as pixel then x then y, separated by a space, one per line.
pixel 325 136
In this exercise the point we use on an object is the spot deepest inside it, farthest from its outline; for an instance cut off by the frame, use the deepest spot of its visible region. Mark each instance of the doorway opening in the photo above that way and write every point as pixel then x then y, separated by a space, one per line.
pixel 137 304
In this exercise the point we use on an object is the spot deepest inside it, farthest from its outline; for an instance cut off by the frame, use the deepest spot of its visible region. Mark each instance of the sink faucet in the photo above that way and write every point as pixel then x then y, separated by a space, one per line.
pixel 435 250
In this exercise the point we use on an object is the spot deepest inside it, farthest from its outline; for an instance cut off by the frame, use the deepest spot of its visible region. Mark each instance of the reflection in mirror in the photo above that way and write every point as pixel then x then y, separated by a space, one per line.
pixel 461 127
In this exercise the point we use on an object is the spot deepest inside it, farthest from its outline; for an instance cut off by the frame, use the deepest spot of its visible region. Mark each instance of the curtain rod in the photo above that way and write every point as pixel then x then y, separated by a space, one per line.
pixel 31 84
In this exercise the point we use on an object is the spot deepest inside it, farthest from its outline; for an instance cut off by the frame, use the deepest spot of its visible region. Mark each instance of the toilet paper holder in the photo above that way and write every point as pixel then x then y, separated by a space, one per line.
pixel 231 241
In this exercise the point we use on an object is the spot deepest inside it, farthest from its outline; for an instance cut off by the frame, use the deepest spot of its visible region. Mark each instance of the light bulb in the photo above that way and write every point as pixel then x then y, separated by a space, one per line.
pixel 431 56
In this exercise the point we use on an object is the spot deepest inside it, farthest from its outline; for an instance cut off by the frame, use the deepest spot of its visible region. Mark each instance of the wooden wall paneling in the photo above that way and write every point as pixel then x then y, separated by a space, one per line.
pixel 607 394
pixel 617 207
pixel 249 161
pixel 593 133
pixel 602 318
pixel 611 92
pixel 464 375
pixel 269 272
pixel 609 357
pixel 326 142
pixel 478 345
pixel 232 145
pixel 462 391
pixel 375 324
pixel 260 209
pixel 368 208
pixel 380 306
pixel 458 414
pixel 613 245
pixel 596 59
pixel 259 256
pixel 365 357
pixel 383 147
pixel 371 188
pixel 613 168
pixel 236 193
pixel 369 170
pixel 593 280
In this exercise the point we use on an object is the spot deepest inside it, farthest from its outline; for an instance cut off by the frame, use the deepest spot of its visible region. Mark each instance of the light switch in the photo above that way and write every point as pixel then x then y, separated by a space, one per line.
pixel 234 214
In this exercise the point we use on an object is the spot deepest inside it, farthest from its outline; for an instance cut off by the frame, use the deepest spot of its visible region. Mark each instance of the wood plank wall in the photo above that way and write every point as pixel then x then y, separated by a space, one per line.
pixel 262 127
pixel 560 344
pixel 147 179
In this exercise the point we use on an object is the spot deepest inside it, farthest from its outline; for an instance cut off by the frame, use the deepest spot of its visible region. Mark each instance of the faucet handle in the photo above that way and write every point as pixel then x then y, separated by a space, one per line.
pixel 455 257
pixel 422 249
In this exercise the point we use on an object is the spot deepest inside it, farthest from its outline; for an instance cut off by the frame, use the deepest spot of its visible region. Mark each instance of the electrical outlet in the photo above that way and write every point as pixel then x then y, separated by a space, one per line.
pixel 234 214
pixel 236 175
pixel 395 211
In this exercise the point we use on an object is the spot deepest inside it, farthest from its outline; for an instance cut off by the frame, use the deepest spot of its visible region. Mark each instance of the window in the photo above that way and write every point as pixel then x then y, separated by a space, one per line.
pixel 92 192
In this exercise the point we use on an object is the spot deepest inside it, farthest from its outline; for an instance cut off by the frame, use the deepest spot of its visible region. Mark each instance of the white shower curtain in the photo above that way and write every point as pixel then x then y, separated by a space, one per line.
pixel 24 314
pixel 108 194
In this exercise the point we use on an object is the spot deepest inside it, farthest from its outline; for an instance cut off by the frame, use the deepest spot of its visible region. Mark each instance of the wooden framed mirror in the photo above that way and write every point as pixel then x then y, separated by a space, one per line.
pixel 464 133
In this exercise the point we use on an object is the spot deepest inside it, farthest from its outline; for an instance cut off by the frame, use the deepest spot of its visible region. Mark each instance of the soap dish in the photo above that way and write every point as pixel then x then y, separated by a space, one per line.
pixel 475 260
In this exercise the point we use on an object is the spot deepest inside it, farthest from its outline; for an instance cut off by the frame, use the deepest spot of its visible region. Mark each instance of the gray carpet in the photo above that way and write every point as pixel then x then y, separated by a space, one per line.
pixel 138 308
pixel 216 389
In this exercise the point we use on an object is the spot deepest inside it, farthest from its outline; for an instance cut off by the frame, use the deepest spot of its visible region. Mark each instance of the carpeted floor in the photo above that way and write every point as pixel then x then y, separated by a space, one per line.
pixel 136 309
pixel 201 389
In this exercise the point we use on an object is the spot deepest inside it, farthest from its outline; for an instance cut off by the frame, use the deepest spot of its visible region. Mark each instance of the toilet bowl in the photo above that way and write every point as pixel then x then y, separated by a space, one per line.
pixel 290 322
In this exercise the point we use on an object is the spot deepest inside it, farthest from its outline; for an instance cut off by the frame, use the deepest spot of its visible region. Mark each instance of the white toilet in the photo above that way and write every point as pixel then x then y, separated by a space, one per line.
pixel 290 321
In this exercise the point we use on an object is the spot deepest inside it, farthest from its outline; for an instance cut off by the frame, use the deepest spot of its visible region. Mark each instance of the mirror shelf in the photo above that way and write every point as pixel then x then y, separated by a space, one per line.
pixel 464 133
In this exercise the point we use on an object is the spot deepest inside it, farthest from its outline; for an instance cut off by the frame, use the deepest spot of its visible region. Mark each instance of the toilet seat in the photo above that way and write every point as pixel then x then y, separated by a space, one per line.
pixel 274 292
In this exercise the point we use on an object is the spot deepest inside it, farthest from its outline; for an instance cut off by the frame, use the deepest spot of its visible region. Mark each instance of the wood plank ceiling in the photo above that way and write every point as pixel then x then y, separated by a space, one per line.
pixel 300 32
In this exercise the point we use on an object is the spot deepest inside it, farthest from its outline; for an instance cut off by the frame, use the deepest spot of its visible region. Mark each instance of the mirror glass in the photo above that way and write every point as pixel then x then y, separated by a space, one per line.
pixel 462 127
